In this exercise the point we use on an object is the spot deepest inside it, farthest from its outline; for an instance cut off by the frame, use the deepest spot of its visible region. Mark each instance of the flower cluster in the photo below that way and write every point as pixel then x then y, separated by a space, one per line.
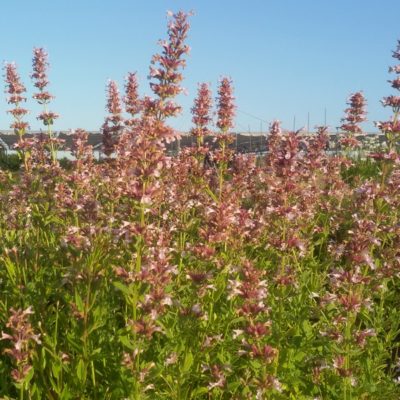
pixel 23 340
pixel 15 90
pixel 394 101
pixel 225 106
pixel 40 65
pixel 391 128
pixel 203 274
pixel 165 67
pixel 39 76
pixel 355 114
pixel 113 123
pixel 201 112
pixel 133 104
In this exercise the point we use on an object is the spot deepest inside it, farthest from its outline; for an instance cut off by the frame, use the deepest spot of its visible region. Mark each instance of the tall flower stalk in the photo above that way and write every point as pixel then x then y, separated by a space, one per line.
pixel 113 124
pixel 15 91
pixel 144 151
pixel 225 106
pixel 273 141
pixel 132 101
pixel 40 65
pixel 201 112
pixel 355 115
pixel 150 281
pixel 165 67
pixel 22 347
pixel 391 128
pixel 225 113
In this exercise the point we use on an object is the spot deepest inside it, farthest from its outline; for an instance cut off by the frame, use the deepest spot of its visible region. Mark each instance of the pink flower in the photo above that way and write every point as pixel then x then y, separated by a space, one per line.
pixel 19 126
pixel 339 364
pixel 43 97
pixel 22 339
pixel 47 117
pixel 387 127
pixel 133 105
pixel 395 83
pixel 355 114
pixel 112 127
pixel 361 336
pixel 225 105
pixel 15 89
pixel 14 86
pixel 202 111
pixel 396 53
pixel 114 106
pixel 218 375
pixel 165 67
pixel 40 65
pixel 391 101
pixel 18 112
pixel 266 352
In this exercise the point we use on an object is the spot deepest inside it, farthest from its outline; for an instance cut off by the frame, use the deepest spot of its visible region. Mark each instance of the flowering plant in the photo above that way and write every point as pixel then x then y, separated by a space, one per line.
pixel 204 275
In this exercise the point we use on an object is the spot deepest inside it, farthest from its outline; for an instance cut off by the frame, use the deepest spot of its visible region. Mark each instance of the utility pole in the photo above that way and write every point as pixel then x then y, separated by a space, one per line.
pixel 250 134
pixel 237 133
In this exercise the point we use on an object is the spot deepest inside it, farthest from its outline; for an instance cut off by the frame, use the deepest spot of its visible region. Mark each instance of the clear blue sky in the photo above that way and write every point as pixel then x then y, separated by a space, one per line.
pixel 286 57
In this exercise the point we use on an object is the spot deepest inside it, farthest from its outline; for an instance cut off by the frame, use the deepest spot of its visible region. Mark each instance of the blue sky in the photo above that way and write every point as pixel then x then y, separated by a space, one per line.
pixel 287 58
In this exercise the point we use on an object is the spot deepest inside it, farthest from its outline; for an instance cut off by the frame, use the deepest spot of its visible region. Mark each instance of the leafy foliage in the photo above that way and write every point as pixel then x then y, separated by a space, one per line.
pixel 210 275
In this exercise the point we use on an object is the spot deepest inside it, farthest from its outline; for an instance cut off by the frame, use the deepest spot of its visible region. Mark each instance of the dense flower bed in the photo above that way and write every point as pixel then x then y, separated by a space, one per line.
pixel 209 275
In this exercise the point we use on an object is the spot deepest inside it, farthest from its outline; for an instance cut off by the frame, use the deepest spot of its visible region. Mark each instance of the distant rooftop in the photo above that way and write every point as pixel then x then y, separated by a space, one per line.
pixel 244 141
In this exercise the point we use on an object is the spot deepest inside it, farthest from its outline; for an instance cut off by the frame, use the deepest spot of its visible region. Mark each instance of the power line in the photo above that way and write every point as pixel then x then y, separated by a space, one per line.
pixel 253 116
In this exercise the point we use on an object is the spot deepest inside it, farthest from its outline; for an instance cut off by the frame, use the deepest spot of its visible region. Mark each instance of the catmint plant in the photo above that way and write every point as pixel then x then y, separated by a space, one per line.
pixel 391 128
pixel 132 101
pixel 164 70
pixel 39 76
pixel 15 96
pixel 199 275
pixel 201 112
pixel 355 115
pixel 113 124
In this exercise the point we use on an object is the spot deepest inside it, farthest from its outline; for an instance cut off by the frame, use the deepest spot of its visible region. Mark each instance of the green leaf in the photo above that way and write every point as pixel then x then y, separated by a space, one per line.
pixel 28 377
pixel 81 371
pixel 74 344
pixel 66 394
pixel 123 288
pixel 307 329
pixel 188 362
pixel 79 302
pixel 297 339
pixel 299 356
pixel 199 391
pixel 10 267
pixel 126 342
pixel 234 386
pixel 211 194
pixel 56 368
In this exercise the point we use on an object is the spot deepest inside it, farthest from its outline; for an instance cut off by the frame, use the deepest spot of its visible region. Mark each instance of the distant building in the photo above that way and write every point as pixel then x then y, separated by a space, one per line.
pixel 244 142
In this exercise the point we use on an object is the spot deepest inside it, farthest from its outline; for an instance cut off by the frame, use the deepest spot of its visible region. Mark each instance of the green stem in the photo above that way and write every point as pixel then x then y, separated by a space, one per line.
pixel 347 385
pixel 53 150
pixel 21 392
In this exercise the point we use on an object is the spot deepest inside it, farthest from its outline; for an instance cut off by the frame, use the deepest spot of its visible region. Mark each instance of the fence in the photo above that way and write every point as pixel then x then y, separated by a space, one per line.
pixel 243 142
